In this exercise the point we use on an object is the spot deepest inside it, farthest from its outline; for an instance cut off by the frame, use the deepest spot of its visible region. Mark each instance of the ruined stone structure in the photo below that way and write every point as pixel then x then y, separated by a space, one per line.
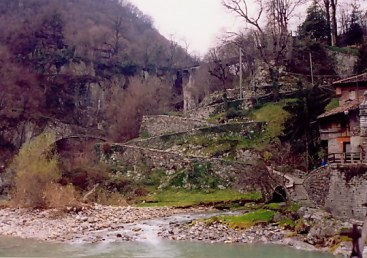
pixel 190 101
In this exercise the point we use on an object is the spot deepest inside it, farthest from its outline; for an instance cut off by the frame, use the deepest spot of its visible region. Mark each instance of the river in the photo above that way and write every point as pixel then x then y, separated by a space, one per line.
pixel 12 247
pixel 147 244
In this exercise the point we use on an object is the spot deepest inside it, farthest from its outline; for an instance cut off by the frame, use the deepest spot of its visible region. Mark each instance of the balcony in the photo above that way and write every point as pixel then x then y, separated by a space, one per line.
pixel 345 158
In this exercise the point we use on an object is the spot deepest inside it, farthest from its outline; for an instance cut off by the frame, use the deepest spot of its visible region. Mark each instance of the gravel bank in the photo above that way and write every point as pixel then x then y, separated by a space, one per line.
pixel 96 223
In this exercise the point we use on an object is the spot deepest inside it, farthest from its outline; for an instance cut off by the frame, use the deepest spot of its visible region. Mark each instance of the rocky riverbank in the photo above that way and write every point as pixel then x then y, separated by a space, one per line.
pixel 317 230
pixel 92 224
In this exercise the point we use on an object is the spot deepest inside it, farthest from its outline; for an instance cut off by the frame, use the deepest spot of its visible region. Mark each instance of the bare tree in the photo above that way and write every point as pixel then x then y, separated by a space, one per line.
pixel 218 67
pixel 172 51
pixel 126 107
pixel 117 27
pixel 186 46
pixel 272 40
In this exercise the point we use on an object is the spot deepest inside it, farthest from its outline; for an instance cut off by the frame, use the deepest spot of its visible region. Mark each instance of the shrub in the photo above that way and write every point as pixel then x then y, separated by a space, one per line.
pixel 36 168
pixel 199 176
pixel 83 172
pixel 106 197
pixel 58 196
pixel 154 177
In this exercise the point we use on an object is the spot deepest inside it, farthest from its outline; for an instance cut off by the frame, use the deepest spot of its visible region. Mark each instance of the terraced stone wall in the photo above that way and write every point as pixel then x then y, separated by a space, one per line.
pixel 229 172
pixel 163 142
pixel 163 124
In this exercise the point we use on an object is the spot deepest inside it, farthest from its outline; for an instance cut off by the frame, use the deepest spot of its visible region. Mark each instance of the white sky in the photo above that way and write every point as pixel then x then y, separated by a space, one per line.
pixel 198 22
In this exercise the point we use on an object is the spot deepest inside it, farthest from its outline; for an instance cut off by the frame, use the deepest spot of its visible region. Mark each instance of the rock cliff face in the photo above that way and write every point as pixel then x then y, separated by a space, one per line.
pixel 344 63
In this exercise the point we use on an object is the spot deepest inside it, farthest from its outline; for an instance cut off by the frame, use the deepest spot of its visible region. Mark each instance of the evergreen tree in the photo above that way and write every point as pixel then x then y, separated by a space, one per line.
pixel 361 64
pixel 315 25
pixel 302 130
pixel 354 34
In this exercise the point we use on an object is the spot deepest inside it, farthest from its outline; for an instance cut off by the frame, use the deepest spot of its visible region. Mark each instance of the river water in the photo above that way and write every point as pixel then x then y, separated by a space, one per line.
pixel 147 244
pixel 11 247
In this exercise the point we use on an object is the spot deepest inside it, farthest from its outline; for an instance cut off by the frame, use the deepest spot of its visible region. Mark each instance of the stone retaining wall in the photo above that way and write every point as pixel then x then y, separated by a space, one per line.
pixel 164 124
pixel 317 185
pixel 348 191
pixel 231 173
pixel 163 142
pixel 339 189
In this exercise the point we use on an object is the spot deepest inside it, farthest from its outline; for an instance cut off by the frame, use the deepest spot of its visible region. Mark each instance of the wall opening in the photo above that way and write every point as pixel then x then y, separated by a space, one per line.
pixel 279 194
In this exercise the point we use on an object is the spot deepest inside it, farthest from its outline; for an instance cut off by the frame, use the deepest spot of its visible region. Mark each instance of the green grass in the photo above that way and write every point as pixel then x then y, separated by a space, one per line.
pixel 334 103
pixel 273 206
pixel 287 224
pixel 221 143
pixel 294 207
pixel 344 50
pixel 182 198
pixel 217 117
pixel 290 208
pixel 249 219
pixel 275 117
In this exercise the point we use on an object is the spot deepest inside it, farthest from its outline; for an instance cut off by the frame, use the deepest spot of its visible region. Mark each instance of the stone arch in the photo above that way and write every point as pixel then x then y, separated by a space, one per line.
pixel 279 194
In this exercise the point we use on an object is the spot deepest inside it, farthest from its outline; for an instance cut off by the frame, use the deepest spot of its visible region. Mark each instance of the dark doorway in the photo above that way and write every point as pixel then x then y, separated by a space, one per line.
pixel 279 194
pixel 346 147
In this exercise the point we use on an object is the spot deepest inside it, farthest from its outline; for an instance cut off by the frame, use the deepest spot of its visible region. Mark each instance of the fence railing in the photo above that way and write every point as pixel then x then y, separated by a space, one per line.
pixel 346 157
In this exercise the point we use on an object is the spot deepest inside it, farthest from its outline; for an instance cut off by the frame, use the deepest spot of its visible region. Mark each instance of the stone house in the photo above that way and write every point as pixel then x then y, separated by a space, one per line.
pixel 343 129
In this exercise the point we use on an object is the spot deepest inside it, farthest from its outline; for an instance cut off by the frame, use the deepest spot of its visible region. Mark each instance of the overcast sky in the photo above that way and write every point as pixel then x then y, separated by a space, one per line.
pixel 199 22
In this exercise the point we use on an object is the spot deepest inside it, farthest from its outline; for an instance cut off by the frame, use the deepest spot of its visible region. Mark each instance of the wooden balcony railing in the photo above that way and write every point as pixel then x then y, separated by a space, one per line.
pixel 346 157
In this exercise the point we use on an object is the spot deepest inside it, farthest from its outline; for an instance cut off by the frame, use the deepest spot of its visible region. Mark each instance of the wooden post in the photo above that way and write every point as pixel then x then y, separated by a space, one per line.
pixel 241 90
pixel 311 68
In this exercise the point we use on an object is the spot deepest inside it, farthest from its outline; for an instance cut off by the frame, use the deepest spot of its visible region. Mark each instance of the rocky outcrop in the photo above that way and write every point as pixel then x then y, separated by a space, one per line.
pixel 344 63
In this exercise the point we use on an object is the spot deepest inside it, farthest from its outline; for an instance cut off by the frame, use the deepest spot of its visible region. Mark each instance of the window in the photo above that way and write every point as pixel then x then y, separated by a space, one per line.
pixel 352 94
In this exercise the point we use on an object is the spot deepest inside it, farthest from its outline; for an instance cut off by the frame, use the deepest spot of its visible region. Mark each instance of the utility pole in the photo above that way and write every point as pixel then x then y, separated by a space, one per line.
pixel 241 90
pixel 311 68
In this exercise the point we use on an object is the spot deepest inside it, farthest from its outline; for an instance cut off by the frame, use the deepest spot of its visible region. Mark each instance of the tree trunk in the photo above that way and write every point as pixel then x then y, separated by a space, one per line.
pixel 274 76
pixel 334 23
pixel 327 11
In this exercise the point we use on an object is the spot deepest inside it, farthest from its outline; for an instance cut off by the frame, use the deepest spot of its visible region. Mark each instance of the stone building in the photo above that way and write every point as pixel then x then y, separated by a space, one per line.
pixel 343 129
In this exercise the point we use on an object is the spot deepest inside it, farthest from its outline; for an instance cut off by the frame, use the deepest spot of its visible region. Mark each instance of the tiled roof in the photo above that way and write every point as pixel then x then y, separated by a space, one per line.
pixel 357 78
pixel 353 105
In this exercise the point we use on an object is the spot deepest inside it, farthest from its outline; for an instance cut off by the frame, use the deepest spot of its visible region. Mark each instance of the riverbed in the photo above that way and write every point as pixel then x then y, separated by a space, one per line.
pixel 102 231
pixel 14 247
